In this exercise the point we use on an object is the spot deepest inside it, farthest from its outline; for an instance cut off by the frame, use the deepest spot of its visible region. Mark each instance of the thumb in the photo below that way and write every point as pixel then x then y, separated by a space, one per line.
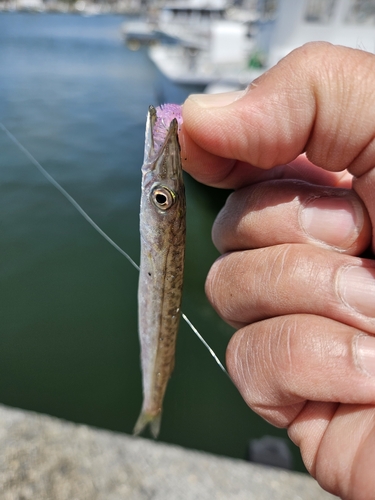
pixel 318 100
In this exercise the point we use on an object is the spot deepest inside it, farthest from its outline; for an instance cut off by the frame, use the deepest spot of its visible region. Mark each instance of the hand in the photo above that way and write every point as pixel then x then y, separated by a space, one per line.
pixel 291 278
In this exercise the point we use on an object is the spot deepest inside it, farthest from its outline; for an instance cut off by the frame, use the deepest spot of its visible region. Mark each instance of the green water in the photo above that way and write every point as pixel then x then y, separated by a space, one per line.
pixel 76 97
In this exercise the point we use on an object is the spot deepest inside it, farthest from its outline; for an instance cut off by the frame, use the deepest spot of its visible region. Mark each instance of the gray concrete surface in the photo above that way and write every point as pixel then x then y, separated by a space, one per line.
pixel 43 458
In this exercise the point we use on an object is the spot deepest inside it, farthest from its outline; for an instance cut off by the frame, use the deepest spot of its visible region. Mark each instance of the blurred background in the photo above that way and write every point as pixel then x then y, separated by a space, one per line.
pixel 76 79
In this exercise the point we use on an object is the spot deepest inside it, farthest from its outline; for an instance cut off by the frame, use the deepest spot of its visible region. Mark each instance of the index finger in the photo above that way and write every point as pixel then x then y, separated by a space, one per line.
pixel 318 100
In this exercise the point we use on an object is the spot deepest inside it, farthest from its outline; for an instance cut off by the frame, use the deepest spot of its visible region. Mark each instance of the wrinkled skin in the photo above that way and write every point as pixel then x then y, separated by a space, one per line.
pixel 291 277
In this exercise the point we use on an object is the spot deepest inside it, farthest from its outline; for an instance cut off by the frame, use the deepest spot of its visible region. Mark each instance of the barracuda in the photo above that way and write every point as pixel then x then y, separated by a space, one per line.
pixel 162 228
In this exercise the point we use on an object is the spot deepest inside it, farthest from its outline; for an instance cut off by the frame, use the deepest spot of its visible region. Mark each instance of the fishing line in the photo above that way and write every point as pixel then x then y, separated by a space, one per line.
pixel 71 200
pixel 80 210
pixel 210 350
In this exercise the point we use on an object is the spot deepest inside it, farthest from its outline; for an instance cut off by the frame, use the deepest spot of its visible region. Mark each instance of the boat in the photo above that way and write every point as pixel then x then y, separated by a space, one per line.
pixel 233 57
pixel 186 22
pixel 226 58
pixel 189 22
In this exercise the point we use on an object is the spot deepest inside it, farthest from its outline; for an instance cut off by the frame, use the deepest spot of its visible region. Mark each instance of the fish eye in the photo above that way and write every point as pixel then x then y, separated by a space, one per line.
pixel 162 197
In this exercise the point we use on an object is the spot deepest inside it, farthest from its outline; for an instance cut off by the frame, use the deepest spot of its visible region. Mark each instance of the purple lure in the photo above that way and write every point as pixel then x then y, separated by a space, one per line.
pixel 165 114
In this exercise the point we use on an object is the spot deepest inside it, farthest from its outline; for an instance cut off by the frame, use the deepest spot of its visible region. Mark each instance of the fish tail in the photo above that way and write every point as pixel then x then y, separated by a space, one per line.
pixel 146 419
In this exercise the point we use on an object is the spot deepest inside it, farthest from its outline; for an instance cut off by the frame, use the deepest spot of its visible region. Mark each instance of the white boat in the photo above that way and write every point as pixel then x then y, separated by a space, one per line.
pixel 225 59
pixel 232 58
pixel 186 21
pixel 189 22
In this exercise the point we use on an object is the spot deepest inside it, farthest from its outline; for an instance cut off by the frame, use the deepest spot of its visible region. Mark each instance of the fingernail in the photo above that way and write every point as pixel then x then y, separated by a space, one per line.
pixel 332 220
pixel 365 351
pixel 356 286
pixel 216 100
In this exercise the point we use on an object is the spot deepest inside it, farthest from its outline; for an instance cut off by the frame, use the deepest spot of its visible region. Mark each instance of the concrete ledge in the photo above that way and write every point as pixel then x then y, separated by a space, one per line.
pixel 45 458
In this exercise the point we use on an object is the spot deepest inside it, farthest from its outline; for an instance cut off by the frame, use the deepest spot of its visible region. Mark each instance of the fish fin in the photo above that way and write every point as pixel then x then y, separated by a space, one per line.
pixel 146 419
pixel 155 425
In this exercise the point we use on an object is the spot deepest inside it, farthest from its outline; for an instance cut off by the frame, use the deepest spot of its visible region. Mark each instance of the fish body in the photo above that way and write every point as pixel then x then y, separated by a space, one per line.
pixel 162 229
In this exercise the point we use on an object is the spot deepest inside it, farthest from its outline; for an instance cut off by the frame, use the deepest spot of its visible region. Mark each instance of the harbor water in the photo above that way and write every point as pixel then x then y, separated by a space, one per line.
pixel 76 97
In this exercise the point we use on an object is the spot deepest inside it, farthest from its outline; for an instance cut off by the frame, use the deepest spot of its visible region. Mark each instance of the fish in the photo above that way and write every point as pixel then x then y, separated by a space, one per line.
pixel 163 233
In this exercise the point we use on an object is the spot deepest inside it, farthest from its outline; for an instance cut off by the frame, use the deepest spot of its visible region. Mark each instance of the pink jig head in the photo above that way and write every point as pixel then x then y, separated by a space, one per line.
pixel 164 116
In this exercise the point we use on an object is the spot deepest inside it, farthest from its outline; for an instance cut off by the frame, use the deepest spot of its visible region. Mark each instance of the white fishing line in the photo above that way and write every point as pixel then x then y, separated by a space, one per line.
pixel 78 207
pixel 71 200
pixel 210 350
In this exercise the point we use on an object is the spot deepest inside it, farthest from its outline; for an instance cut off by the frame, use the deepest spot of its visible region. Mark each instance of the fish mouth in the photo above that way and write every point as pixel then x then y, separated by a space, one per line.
pixel 162 147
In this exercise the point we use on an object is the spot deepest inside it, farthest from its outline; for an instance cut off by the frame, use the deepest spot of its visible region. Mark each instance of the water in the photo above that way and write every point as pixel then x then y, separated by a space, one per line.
pixel 77 98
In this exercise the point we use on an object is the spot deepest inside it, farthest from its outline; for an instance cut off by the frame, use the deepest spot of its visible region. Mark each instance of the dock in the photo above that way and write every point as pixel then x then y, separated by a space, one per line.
pixel 46 458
